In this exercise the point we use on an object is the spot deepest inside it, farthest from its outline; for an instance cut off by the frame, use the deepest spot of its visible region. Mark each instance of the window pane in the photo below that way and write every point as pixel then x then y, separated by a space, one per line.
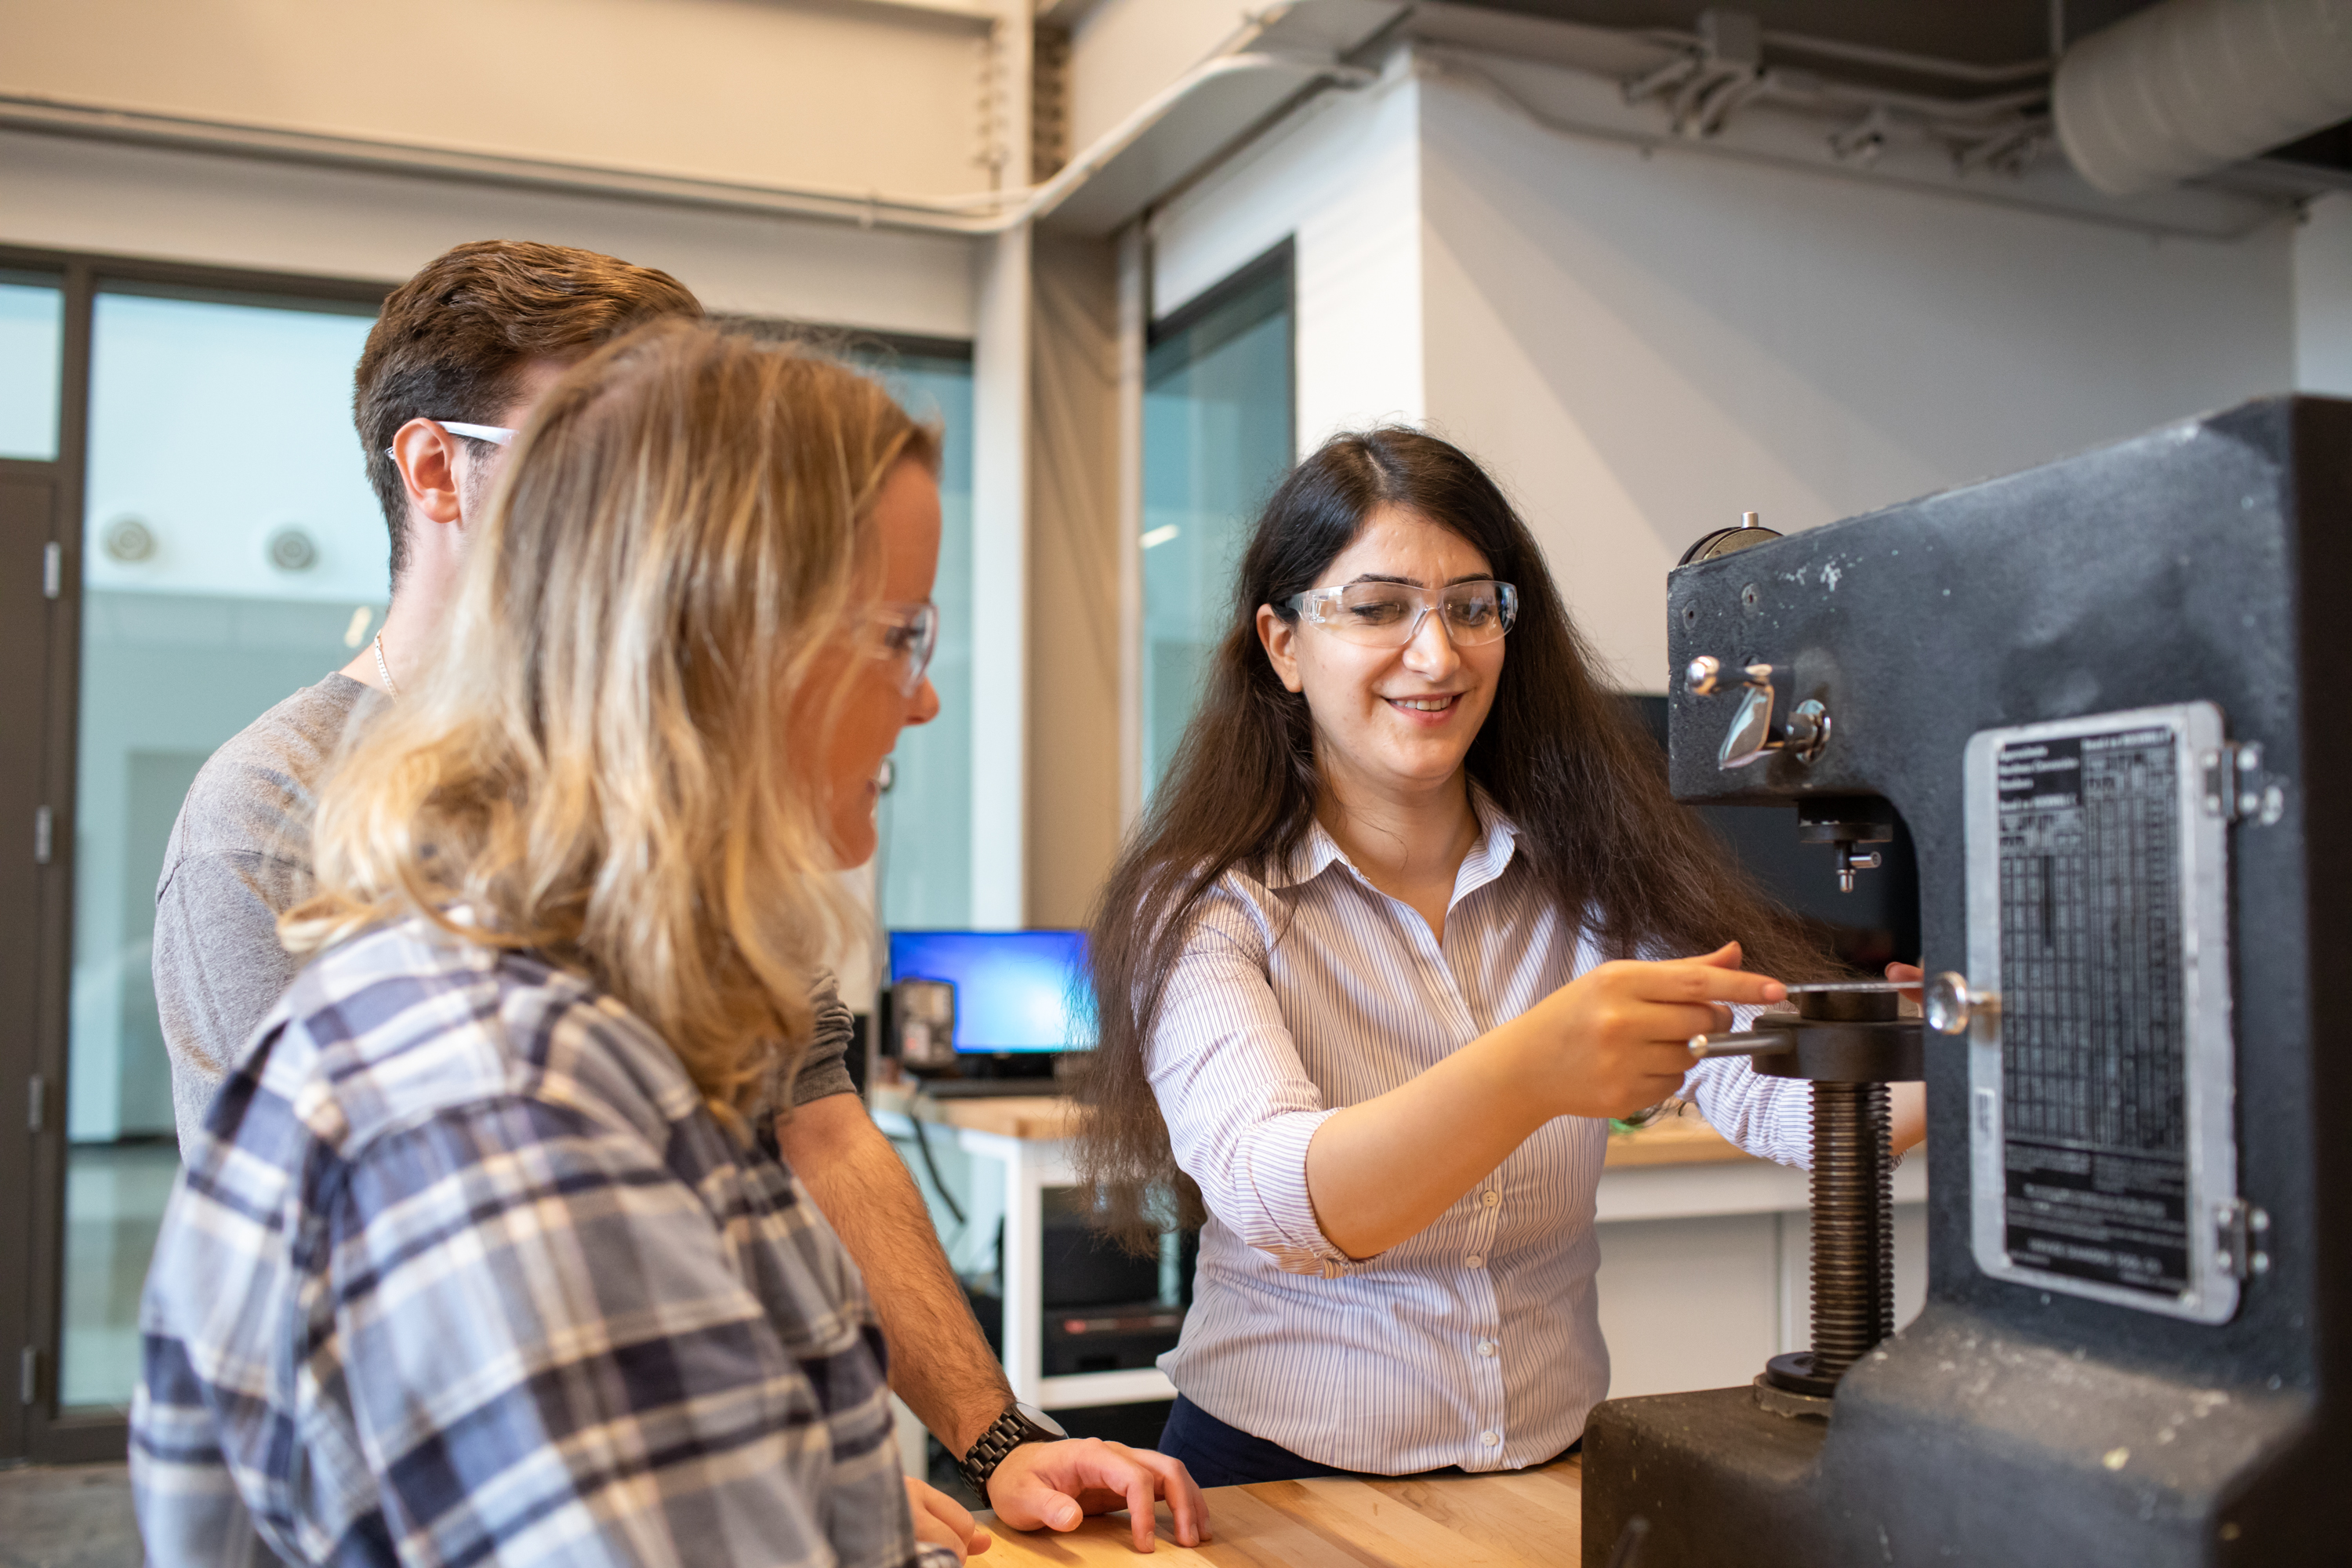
pixel 1216 440
pixel 233 552
pixel 32 335
pixel 925 870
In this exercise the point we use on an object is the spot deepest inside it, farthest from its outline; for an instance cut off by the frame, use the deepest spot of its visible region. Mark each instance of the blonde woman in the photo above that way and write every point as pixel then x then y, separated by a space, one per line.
pixel 475 1257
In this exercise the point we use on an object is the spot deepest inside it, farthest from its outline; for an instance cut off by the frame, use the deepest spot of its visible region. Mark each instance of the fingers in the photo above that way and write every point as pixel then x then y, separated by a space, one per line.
pixel 1679 1021
pixel 930 1498
pixel 1701 980
pixel 1187 1509
pixel 932 1529
pixel 949 1522
pixel 1055 1485
pixel 1141 1492
pixel 1037 1493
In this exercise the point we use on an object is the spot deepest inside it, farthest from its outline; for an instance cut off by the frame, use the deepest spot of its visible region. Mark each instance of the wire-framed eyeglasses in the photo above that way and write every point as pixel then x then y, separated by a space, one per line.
pixel 497 434
pixel 909 634
pixel 1390 614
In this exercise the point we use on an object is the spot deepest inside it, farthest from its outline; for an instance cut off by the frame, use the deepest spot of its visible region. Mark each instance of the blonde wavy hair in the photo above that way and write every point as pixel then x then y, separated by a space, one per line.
pixel 611 758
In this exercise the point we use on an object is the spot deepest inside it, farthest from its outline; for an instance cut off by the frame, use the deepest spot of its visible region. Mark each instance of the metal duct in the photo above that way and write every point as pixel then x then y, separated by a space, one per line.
pixel 2187 87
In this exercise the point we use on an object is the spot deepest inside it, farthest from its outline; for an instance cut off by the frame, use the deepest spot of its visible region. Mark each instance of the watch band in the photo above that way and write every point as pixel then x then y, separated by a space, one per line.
pixel 1020 1424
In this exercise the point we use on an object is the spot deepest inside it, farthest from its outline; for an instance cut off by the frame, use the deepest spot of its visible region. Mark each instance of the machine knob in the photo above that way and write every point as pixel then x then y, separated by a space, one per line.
pixel 1952 1005
pixel 1707 675
pixel 1753 733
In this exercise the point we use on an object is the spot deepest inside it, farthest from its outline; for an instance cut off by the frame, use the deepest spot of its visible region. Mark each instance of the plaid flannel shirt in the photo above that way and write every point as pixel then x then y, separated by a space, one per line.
pixel 462 1270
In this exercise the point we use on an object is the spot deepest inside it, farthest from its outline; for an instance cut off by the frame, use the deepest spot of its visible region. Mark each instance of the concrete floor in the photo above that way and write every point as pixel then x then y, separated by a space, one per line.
pixel 74 1516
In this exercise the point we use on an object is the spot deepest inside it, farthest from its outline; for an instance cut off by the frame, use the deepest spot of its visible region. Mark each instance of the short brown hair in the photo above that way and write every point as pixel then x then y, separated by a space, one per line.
pixel 605 761
pixel 452 340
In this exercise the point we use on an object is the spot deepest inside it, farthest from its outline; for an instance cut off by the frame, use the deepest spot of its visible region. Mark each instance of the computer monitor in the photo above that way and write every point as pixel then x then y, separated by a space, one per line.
pixel 1016 992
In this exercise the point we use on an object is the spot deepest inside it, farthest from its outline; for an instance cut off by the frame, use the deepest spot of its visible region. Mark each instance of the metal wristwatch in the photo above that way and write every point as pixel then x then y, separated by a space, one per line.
pixel 1020 1422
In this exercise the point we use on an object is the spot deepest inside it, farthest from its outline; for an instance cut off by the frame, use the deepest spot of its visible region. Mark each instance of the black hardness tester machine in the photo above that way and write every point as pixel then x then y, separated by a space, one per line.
pixel 2097 694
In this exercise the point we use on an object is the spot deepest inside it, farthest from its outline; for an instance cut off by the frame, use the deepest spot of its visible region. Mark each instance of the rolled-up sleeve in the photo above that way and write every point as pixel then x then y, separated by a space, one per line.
pixel 1241 1109
pixel 1771 1118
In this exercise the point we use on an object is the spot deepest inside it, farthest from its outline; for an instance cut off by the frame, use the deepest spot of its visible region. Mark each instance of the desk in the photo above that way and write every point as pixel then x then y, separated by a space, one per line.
pixel 1517 1519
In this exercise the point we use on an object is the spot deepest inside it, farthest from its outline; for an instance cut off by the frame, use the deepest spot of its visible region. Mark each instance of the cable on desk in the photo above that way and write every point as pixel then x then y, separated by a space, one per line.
pixel 923 1142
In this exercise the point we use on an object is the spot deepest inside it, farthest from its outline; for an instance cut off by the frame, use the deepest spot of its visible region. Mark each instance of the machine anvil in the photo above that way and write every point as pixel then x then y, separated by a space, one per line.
pixel 2091 692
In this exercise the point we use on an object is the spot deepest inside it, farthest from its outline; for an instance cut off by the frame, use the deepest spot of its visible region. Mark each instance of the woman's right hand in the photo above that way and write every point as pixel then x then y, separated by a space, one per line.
pixel 1617 1037
pixel 1607 1044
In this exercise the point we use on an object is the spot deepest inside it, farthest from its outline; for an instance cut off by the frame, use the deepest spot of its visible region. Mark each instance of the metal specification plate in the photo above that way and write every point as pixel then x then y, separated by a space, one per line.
pixel 2101 1130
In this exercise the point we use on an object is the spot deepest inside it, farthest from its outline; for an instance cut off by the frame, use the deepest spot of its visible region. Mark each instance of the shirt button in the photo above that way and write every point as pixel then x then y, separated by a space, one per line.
pixel 1476 1260
pixel 1487 1348
pixel 1490 1198
pixel 1492 1439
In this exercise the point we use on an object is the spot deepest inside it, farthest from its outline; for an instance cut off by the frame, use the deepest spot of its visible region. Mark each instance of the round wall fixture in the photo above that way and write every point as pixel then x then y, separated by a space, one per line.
pixel 291 550
pixel 128 539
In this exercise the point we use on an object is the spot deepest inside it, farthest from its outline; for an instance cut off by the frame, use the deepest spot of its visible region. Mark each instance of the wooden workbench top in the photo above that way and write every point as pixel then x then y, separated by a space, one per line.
pixel 1522 1518
pixel 1682 1140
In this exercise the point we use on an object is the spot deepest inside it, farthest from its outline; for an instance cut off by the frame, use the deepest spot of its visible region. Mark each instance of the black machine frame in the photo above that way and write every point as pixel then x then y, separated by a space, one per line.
pixel 2207 563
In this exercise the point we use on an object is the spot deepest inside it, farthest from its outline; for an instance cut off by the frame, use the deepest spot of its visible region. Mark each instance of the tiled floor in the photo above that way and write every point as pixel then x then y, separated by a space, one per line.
pixel 72 1516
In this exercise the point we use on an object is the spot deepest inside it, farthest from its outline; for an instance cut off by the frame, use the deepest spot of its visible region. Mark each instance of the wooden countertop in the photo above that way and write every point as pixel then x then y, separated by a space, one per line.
pixel 1522 1518
pixel 1682 1140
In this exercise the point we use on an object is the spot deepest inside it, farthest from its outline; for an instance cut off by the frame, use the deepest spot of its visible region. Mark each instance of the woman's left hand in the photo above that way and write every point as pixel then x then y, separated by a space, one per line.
pixel 940 1521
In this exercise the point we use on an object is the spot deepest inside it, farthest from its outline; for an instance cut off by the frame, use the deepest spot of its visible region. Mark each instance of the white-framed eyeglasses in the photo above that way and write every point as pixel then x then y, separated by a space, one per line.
pixel 908 634
pixel 1390 614
pixel 496 434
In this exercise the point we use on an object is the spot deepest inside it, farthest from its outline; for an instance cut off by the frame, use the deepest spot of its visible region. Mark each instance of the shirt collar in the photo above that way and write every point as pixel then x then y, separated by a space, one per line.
pixel 1497 841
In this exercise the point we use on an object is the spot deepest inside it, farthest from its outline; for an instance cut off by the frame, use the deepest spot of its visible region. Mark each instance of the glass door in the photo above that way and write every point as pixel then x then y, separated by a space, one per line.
pixel 1217 438
pixel 231 553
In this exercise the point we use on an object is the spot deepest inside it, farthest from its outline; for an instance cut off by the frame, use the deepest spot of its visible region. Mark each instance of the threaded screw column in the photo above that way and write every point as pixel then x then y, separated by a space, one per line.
pixel 1853 1225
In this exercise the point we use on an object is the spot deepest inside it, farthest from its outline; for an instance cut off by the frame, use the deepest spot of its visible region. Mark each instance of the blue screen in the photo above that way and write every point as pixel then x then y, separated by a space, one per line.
pixel 1014 990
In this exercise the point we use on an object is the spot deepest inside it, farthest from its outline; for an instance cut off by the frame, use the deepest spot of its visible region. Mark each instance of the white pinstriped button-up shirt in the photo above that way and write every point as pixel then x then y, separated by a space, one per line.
pixel 1478 1342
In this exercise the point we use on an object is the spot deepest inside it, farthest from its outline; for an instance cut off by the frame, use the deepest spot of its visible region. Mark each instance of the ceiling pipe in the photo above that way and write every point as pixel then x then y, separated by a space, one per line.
pixel 2188 87
pixel 979 214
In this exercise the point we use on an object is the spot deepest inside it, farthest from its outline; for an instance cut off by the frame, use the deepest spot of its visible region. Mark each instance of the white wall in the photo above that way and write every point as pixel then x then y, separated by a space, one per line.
pixel 1344 179
pixel 228 211
pixel 2323 297
pixel 1123 51
pixel 862 96
pixel 1642 348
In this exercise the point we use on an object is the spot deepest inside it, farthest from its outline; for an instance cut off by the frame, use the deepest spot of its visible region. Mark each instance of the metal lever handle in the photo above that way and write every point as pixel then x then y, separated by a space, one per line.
pixel 1750 735
pixel 1744 1043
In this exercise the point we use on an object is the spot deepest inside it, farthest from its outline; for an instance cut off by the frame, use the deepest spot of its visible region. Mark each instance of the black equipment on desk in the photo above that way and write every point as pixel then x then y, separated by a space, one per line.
pixel 1106 1309
pixel 2094 694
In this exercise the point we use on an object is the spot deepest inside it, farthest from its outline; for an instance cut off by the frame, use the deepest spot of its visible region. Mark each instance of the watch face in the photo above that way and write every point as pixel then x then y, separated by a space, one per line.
pixel 1038 1418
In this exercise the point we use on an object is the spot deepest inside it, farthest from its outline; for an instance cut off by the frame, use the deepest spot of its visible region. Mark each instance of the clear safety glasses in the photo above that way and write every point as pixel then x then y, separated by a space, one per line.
pixel 1389 615
pixel 908 634
pixel 497 434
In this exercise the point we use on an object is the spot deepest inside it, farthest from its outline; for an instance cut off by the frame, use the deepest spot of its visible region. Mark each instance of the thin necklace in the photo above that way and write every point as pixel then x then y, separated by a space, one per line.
pixel 384 669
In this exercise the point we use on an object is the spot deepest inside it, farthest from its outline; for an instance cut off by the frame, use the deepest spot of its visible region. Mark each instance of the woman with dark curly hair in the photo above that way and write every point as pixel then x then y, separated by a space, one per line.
pixel 1408 920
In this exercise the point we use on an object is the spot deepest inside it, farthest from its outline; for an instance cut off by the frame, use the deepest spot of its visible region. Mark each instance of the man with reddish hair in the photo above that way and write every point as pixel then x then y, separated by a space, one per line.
pixel 452 369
